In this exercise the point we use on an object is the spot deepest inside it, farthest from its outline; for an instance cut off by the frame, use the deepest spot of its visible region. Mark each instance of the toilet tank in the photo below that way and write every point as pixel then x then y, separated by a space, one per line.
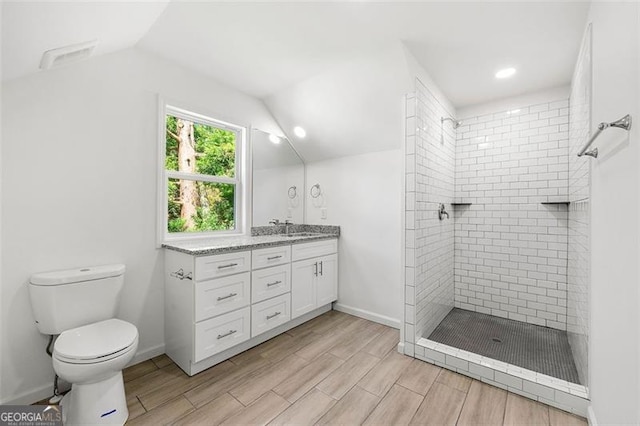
pixel 62 300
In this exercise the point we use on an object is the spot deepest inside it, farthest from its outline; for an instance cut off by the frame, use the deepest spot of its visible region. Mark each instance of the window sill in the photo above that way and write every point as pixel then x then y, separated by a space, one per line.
pixel 179 237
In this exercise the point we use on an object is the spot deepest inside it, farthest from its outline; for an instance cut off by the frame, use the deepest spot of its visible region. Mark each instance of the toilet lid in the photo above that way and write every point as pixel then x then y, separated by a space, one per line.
pixel 96 340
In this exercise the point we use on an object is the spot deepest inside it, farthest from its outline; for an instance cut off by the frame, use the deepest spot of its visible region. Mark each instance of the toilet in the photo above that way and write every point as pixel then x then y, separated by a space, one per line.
pixel 92 347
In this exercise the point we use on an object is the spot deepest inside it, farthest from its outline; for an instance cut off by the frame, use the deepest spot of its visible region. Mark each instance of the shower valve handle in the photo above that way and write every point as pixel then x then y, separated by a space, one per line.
pixel 442 212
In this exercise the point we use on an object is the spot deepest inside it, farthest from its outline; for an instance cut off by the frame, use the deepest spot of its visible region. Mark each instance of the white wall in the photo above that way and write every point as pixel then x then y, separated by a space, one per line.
pixel 615 217
pixel 363 195
pixel 79 188
pixel 1 297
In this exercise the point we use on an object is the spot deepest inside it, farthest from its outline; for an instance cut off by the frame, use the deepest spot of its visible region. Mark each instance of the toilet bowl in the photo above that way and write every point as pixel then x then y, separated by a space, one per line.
pixel 79 305
pixel 91 358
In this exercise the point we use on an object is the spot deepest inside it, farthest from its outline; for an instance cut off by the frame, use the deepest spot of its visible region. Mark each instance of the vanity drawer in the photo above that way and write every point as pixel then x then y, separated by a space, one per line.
pixel 221 265
pixel 270 282
pixel 222 332
pixel 315 249
pixel 272 256
pixel 270 314
pixel 222 295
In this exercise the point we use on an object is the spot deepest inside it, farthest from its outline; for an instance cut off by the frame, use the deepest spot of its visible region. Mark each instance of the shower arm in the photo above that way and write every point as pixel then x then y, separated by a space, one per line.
pixel 455 123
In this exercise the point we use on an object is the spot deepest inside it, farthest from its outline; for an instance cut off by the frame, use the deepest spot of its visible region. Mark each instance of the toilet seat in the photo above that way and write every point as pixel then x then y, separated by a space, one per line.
pixel 97 342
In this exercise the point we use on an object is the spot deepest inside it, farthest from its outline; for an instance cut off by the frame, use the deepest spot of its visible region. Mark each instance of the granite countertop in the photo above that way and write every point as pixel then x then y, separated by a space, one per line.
pixel 261 237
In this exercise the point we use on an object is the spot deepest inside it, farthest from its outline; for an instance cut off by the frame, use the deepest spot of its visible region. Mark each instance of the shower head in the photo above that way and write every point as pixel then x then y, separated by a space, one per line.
pixel 455 122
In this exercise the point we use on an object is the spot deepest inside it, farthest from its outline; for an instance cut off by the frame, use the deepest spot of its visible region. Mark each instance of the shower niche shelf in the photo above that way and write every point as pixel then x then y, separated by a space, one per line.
pixel 555 203
pixel 460 204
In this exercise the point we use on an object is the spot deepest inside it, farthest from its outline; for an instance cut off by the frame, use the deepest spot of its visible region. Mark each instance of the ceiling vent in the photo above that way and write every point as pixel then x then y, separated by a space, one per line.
pixel 67 54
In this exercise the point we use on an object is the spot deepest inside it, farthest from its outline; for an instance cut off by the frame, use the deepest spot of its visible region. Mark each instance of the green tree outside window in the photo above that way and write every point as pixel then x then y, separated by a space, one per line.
pixel 193 205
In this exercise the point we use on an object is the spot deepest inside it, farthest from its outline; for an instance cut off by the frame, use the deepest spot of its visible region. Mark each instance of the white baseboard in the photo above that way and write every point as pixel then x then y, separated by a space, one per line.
pixel 147 354
pixel 401 347
pixel 591 416
pixel 30 396
pixel 45 391
pixel 371 316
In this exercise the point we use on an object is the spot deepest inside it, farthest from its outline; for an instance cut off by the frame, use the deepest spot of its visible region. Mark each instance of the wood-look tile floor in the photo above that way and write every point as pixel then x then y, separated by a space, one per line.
pixel 334 369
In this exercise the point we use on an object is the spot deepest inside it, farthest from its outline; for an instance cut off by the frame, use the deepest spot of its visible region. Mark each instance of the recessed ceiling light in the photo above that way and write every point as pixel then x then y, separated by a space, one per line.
pixel 299 131
pixel 273 138
pixel 505 73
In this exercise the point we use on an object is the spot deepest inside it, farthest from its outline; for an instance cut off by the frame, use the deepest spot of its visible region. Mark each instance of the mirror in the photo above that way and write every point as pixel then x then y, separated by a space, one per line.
pixel 278 180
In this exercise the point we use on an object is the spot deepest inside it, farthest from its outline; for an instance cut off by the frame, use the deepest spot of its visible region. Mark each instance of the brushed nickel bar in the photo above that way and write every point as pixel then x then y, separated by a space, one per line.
pixel 623 123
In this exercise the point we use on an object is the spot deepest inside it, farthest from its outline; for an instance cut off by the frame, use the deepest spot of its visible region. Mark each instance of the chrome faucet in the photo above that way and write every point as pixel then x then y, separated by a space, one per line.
pixel 442 212
pixel 274 222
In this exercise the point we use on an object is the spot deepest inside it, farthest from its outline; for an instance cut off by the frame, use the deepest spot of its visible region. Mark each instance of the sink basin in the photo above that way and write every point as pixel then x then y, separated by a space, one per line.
pixel 302 234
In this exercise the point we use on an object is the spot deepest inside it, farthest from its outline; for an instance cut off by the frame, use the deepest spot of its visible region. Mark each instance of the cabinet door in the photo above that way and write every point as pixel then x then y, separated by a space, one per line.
pixel 327 284
pixel 303 287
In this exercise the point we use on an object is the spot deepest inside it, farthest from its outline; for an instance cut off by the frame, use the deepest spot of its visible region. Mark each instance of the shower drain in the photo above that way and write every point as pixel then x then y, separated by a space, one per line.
pixel 496 339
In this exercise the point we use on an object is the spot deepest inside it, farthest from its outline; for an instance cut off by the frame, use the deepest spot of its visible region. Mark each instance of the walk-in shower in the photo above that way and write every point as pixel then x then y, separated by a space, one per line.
pixel 497 290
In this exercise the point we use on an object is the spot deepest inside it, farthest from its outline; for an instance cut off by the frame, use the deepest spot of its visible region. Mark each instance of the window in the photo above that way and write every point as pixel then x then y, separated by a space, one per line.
pixel 202 171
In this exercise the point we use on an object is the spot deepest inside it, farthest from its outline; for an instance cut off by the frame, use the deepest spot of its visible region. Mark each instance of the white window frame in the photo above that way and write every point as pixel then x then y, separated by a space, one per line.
pixel 242 203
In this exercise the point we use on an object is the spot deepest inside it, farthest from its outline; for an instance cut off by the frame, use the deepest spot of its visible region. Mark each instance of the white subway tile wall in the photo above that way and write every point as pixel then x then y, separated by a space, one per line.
pixel 430 152
pixel 410 225
pixel 510 250
pixel 579 211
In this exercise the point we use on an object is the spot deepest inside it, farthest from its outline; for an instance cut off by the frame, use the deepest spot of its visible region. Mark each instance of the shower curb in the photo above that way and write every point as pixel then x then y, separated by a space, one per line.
pixel 548 390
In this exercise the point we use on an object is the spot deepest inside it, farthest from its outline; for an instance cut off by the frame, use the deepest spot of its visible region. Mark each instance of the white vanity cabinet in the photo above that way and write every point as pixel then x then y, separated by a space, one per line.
pixel 207 305
pixel 217 306
pixel 314 276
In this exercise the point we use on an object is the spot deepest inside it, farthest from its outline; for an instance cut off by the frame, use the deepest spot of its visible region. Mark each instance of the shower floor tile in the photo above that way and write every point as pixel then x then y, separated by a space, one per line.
pixel 541 349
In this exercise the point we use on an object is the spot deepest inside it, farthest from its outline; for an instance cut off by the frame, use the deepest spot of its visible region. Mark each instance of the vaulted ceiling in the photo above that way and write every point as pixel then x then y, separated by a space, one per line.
pixel 31 28
pixel 265 47
pixel 262 48
pixel 337 68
